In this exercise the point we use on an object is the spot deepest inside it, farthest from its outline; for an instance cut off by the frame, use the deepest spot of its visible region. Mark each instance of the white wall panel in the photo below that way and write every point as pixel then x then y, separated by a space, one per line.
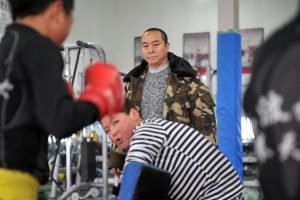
pixel 114 23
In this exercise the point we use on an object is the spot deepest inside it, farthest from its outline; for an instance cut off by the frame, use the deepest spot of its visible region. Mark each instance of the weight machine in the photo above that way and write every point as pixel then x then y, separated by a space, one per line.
pixel 85 186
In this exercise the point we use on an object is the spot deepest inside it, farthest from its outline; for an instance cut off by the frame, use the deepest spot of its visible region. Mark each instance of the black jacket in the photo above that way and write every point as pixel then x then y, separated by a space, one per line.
pixel 39 103
pixel 272 100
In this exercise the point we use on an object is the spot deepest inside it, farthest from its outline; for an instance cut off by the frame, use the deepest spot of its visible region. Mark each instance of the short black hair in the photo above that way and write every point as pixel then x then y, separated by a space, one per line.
pixel 163 34
pixel 23 8
pixel 128 105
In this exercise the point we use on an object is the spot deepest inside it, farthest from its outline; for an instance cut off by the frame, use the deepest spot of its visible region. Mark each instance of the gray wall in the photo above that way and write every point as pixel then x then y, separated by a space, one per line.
pixel 114 23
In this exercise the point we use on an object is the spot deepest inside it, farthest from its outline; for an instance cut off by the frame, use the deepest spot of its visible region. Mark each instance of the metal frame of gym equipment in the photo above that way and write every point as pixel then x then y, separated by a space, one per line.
pixel 96 54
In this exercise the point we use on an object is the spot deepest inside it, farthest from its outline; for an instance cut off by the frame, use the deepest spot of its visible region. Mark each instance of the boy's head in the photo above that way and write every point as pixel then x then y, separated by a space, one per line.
pixel 119 127
pixel 51 18
pixel 23 8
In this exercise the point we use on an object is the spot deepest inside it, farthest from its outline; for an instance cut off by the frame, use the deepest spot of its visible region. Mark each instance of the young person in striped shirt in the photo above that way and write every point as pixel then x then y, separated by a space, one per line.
pixel 198 169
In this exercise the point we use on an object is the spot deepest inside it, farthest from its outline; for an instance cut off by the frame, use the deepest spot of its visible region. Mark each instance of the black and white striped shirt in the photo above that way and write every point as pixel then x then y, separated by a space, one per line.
pixel 199 170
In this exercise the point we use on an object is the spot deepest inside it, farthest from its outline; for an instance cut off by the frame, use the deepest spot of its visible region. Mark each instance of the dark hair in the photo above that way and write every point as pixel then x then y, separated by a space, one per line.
pixel 163 34
pixel 128 105
pixel 22 8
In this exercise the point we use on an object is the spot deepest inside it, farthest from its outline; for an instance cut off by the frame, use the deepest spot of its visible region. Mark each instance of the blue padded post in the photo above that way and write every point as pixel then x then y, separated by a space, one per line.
pixel 144 182
pixel 229 72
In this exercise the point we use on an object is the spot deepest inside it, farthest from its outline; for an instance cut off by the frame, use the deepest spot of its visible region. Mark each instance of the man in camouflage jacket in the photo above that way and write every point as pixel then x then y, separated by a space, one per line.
pixel 187 99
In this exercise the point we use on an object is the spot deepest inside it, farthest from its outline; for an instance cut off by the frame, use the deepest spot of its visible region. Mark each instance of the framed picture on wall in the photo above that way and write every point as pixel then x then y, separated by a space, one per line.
pixel 196 50
pixel 137 51
pixel 250 39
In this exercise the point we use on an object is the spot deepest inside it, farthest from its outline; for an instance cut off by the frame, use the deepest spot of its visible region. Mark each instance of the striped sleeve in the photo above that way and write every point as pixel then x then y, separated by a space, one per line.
pixel 146 144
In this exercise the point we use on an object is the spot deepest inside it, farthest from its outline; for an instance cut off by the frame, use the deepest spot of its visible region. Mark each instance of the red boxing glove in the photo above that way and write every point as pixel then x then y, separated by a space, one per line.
pixel 103 87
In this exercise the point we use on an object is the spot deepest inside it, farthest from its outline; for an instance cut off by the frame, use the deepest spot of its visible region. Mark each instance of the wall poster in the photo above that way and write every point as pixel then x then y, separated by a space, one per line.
pixel 251 39
pixel 196 50
pixel 137 51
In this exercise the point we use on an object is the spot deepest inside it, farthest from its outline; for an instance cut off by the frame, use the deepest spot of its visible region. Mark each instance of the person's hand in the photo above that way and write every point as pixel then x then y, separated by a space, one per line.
pixel 116 172
pixel 103 88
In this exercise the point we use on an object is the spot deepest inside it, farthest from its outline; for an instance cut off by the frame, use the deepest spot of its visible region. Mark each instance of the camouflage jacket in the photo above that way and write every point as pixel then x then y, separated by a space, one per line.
pixel 187 99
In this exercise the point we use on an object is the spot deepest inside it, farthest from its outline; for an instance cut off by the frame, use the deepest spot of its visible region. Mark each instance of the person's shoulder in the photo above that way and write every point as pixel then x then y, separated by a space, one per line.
pixel 159 122
pixel 29 39
pixel 30 36
pixel 154 122
pixel 32 46
pixel 198 78
pixel 41 43
pixel 41 46
pixel 194 81
pixel 137 71
pixel 151 121
pixel 183 69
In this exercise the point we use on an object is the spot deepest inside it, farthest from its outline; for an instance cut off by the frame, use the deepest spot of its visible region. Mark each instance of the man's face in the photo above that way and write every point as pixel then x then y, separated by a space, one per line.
pixel 154 49
pixel 119 129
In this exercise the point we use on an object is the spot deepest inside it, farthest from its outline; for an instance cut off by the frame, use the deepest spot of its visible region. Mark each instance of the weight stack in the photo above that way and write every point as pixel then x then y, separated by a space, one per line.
pixel 88 161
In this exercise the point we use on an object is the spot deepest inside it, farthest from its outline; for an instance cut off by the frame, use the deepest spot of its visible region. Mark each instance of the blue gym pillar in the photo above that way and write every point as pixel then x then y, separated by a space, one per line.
pixel 229 98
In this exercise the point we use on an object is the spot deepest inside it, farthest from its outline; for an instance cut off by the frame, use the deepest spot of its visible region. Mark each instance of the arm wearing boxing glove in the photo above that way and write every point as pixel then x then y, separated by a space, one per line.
pixel 103 88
